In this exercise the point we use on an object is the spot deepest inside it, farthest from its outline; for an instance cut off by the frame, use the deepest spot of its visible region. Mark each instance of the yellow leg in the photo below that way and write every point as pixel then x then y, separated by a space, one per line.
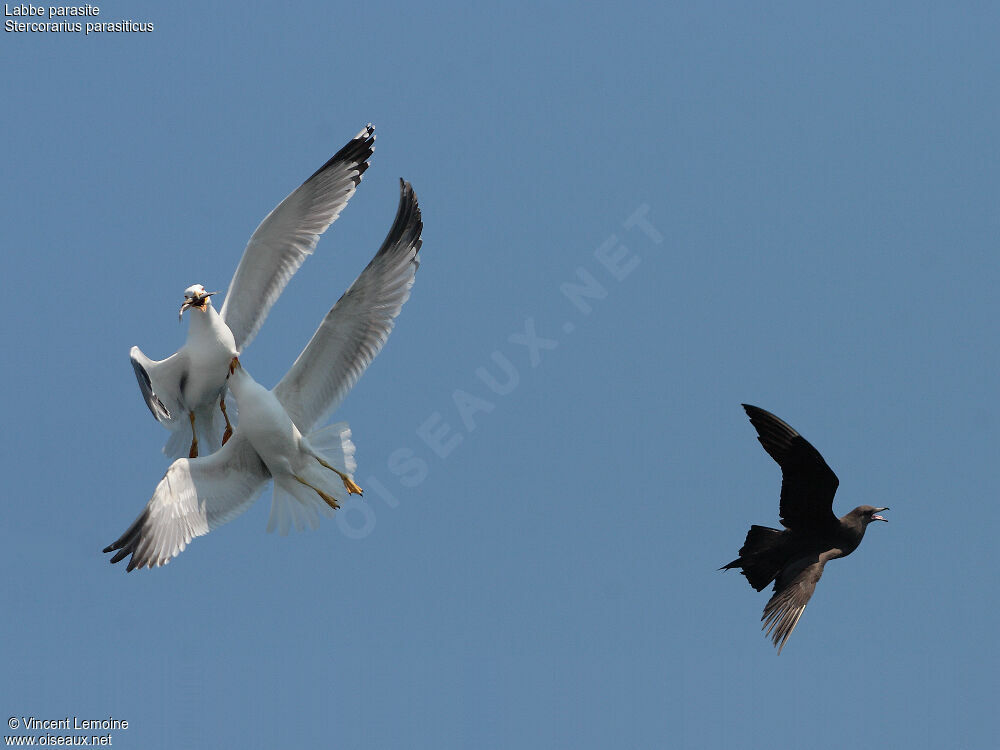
pixel 328 499
pixel 352 488
pixel 229 428
pixel 193 453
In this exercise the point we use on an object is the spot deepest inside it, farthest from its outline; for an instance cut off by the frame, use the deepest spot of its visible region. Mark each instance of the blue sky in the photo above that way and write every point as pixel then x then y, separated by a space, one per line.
pixel 813 198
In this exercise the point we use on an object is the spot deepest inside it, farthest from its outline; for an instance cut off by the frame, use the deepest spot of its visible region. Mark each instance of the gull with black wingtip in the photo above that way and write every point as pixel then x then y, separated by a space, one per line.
pixel 275 436
pixel 185 388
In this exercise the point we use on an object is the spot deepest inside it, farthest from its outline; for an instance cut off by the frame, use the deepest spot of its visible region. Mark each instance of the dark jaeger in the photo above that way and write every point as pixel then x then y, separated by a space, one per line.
pixel 794 558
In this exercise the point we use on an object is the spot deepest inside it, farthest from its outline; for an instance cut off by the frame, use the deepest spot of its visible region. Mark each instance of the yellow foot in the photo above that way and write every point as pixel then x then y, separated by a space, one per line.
pixel 352 488
pixel 193 453
pixel 328 499
pixel 229 428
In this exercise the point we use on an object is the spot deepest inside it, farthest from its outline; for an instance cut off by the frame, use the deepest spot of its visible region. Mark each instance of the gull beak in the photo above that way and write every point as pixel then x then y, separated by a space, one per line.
pixel 876 517
pixel 197 301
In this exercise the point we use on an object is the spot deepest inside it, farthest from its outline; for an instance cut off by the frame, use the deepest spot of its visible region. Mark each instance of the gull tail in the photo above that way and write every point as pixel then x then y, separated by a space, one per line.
pixel 209 424
pixel 178 443
pixel 761 556
pixel 295 504
pixel 334 443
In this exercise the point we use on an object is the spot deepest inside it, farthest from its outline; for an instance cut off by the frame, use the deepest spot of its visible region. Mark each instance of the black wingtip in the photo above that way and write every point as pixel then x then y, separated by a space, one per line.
pixel 128 542
pixel 408 225
pixel 358 151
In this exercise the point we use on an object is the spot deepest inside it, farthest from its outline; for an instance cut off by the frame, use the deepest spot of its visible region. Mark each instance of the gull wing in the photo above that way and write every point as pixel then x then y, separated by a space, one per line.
pixel 356 328
pixel 289 234
pixel 195 496
pixel 792 591
pixel 158 381
pixel 807 483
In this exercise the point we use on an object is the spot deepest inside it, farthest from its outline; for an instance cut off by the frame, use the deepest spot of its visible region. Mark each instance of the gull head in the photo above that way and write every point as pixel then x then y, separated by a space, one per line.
pixel 196 297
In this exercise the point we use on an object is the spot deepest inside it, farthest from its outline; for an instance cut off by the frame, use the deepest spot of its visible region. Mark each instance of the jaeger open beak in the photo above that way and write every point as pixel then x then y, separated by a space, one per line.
pixel 876 517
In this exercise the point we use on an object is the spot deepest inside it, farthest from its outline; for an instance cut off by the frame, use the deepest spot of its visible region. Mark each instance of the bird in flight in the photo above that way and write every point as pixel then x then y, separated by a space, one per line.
pixel 182 391
pixel 274 437
pixel 794 557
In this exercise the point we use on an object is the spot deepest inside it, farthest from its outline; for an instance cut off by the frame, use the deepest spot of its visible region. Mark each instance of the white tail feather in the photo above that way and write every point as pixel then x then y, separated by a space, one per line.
pixel 294 505
pixel 298 506
pixel 209 423
pixel 178 443
pixel 335 445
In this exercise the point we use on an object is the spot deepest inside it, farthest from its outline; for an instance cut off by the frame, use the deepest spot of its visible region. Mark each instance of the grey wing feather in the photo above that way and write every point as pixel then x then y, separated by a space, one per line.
pixel 194 497
pixel 356 328
pixel 792 591
pixel 156 381
pixel 156 406
pixel 289 234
